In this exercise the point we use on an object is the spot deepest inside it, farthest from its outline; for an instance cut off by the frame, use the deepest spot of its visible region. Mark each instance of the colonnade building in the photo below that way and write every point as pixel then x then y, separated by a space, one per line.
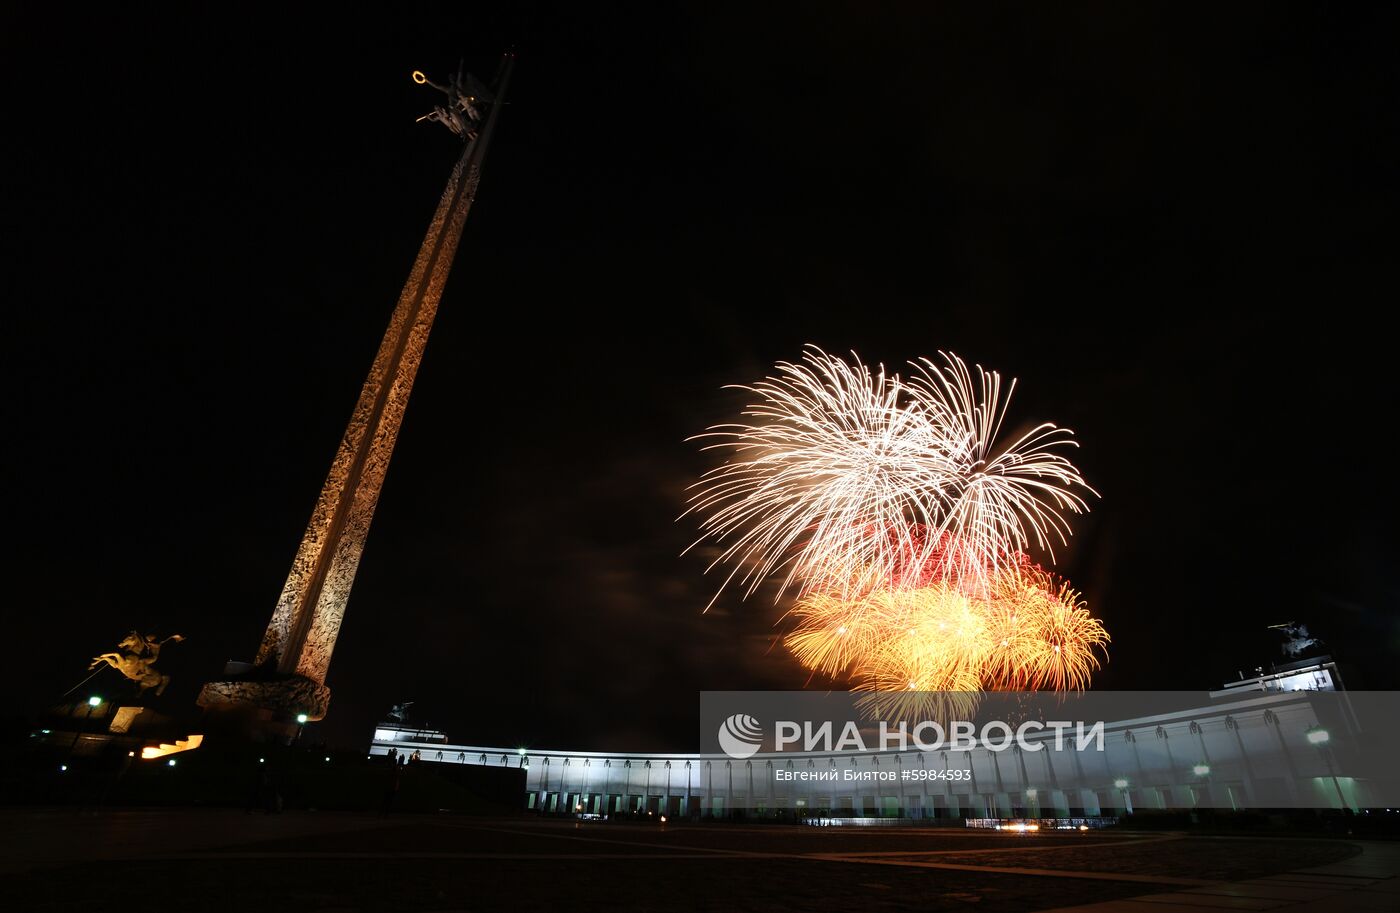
pixel 1265 742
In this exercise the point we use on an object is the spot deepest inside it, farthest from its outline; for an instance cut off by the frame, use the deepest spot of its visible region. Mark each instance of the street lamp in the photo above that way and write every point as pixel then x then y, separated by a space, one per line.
pixel 1121 784
pixel 1322 739
pixel 301 719
pixel 92 703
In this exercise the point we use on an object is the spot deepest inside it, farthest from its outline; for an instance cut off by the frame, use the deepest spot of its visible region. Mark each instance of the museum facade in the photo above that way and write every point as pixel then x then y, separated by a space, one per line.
pixel 1266 742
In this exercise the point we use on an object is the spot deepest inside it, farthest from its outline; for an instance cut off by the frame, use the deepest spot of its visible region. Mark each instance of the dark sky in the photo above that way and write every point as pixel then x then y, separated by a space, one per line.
pixel 1174 225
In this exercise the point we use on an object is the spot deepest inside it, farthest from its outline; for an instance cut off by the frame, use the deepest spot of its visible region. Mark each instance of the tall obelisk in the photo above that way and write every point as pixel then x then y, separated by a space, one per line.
pixel 288 677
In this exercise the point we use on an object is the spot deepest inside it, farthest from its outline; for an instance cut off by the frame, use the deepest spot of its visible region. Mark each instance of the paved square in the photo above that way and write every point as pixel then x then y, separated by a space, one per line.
pixel 221 860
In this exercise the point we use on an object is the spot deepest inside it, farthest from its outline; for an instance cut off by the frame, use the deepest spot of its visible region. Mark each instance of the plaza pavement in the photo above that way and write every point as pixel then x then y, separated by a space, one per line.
pixel 66 859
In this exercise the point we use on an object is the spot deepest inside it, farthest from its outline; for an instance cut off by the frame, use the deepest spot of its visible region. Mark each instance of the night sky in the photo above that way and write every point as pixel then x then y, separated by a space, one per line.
pixel 1175 226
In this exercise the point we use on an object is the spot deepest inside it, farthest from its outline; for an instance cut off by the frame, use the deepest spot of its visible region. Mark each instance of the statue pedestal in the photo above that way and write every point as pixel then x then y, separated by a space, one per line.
pixel 264 707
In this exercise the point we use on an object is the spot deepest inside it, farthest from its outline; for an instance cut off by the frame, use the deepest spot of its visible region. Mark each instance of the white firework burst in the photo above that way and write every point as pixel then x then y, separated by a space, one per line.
pixel 846 479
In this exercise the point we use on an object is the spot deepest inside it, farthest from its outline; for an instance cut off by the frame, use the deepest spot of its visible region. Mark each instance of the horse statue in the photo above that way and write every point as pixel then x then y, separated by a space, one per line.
pixel 138 659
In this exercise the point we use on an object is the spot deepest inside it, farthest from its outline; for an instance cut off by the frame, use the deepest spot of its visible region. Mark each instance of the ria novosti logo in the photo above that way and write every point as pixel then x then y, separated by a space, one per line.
pixel 740 736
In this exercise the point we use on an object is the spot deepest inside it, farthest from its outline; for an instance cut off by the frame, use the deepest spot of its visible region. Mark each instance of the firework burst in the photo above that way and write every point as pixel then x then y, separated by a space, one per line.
pixel 901 519
pixel 1009 496
pixel 1031 632
pixel 1046 637
pixel 847 479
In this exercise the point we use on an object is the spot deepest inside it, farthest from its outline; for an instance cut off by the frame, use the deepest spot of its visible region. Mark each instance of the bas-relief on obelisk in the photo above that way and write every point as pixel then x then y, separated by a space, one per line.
pixel 288 676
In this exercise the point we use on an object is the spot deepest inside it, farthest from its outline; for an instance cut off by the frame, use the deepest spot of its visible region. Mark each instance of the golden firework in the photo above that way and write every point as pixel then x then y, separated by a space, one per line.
pixel 1055 641
pixel 1027 632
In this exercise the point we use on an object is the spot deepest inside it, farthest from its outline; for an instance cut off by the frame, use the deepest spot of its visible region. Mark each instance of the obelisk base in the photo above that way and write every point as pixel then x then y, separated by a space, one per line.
pixel 264 707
